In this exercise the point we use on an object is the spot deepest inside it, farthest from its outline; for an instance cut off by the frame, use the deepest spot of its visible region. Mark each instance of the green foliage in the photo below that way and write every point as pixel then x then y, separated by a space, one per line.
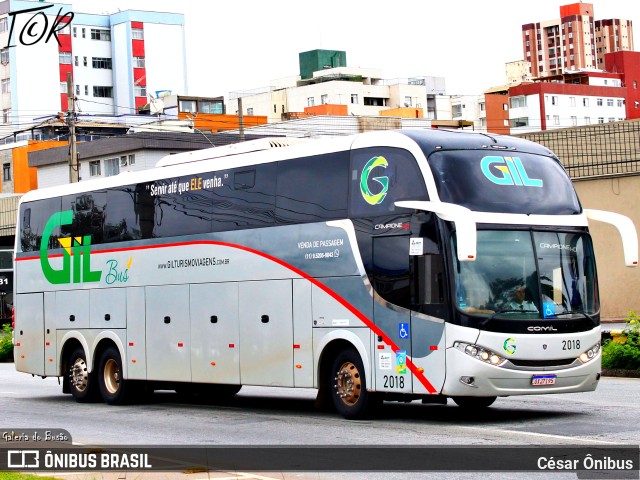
pixel 621 352
pixel 6 344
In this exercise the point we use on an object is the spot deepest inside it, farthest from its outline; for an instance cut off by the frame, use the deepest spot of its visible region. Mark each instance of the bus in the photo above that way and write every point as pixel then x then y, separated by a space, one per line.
pixel 384 266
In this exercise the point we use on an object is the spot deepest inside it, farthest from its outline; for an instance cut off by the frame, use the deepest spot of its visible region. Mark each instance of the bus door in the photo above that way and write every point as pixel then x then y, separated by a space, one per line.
pixel 391 313
pixel 29 334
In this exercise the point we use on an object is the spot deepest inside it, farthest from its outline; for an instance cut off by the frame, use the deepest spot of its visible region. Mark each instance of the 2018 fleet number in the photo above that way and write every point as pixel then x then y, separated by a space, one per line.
pixel 570 344
pixel 393 381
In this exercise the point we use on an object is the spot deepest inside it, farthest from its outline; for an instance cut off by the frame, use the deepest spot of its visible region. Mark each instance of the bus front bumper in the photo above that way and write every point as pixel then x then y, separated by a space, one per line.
pixel 467 376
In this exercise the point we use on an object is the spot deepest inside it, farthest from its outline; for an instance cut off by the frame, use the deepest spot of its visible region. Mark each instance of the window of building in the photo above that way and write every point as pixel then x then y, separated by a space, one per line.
pixel 587 120
pixel 599 102
pixel 77 89
pixel 102 92
pixel 75 32
pixel 63 87
pixel 556 119
pixel 84 33
pixel 611 119
pixel 554 100
pixel 100 34
pixel 482 107
pixel 324 99
pixel 84 61
pixel 138 62
pixel 518 102
pixel 5 85
pixel 127 160
pixel 94 168
pixel 519 122
pixel 4 56
pixel 600 119
pixel 456 111
pixel 621 102
pixel 6 172
pixel 574 121
pixel 137 34
pixel 572 101
pixel 4 24
pixel 354 98
pixel 585 102
pixel 111 167
pixel 64 58
pixel 505 107
pixel 250 111
pixel 140 90
pixel 609 102
pixel 311 101
pixel 188 106
pixel 6 116
pixel 75 60
pixel 275 108
pixel 208 106
pixel 86 89
pixel 101 62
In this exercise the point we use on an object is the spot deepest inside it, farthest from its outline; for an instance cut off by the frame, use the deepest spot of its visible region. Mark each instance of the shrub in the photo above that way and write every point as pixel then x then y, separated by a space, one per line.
pixel 624 353
pixel 6 344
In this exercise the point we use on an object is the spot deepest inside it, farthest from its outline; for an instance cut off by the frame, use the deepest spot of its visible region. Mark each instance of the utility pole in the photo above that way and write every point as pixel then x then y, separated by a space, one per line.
pixel 240 120
pixel 74 168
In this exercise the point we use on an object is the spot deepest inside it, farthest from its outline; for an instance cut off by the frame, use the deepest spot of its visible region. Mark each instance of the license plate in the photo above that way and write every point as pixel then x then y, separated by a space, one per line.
pixel 539 380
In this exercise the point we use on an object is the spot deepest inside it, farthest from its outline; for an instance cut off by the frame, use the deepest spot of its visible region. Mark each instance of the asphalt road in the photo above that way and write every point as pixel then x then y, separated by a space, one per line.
pixel 278 416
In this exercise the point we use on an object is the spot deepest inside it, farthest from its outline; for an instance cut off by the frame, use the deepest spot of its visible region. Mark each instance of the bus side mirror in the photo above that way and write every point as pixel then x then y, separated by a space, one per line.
pixel 627 231
pixel 462 217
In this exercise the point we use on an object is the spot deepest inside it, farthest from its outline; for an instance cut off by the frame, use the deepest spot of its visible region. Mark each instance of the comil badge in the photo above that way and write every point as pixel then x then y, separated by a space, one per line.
pixel 370 197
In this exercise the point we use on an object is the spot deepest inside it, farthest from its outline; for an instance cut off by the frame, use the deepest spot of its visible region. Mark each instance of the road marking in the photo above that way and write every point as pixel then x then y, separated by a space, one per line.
pixel 549 435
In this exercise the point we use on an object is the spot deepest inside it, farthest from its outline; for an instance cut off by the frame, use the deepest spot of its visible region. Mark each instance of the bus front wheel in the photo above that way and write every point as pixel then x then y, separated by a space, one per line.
pixel 474 403
pixel 114 389
pixel 349 386
pixel 82 384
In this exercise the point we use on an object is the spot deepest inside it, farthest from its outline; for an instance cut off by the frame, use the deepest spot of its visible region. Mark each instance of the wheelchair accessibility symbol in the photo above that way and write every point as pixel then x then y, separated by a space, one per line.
pixel 403 331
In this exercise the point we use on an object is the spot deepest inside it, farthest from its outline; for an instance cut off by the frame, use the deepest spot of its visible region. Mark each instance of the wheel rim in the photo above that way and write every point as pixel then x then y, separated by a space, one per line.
pixel 348 384
pixel 78 374
pixel 111 376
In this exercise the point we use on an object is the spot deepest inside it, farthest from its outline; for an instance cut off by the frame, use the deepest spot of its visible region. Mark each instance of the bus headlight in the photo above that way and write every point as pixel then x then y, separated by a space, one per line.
pixel 590 354
pixel 480 353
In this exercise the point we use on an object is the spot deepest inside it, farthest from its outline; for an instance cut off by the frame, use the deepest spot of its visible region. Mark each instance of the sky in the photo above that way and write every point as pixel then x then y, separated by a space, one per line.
pixel 236 46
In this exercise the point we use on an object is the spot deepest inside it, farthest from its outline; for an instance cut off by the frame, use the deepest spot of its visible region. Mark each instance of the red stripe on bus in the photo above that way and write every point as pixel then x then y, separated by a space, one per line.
pixel 412 367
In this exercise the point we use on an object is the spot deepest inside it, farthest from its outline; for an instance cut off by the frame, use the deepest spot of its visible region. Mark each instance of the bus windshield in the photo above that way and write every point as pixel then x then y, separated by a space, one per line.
pixel 528 275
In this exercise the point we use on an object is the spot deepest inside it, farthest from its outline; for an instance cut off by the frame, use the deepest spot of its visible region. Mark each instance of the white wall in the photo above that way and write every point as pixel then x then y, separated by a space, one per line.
pixel 164 58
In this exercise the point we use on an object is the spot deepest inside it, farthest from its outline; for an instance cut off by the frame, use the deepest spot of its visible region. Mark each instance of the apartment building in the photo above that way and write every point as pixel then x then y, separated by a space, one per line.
pixel 115 60
pixel 326 79
pixel 574 41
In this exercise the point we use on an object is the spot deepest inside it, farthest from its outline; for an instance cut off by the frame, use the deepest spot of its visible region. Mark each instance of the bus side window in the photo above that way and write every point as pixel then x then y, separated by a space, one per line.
pixel 428 287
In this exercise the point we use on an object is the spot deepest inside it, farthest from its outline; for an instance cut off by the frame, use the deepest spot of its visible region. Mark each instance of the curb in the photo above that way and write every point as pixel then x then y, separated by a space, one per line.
pixel 620 372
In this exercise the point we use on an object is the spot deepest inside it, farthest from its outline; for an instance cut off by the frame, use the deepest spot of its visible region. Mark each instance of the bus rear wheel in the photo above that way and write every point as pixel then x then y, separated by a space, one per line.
pixel 114 389
pixel 82 384
pixel 349 386
pixel 474 403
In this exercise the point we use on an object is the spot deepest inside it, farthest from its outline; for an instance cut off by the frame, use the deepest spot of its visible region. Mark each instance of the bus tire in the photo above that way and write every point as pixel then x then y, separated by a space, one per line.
pixel 114 389
pixel 82 384
pixel 349 386
pixel 474 403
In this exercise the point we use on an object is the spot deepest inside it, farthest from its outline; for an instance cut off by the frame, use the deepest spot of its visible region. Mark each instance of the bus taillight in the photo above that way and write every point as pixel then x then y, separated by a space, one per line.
pixel 13 318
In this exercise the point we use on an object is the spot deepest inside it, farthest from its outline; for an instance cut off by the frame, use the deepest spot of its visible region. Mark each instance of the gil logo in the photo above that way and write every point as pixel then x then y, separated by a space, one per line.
pixel 509 346
pixel 77 247
pixel 511 170
pixel 370 197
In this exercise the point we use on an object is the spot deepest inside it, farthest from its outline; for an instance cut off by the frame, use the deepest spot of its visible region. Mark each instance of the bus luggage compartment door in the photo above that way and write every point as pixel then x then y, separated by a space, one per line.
pixel 266 333
pixel 29 333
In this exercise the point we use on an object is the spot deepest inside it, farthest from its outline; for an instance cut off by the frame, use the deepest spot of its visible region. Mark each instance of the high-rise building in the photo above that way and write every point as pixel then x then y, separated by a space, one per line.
pixel 115 60
pixel 574 41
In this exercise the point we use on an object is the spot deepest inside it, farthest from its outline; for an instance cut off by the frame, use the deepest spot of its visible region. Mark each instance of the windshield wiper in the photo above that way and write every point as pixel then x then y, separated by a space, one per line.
pixel 506 310
pixel 573 312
